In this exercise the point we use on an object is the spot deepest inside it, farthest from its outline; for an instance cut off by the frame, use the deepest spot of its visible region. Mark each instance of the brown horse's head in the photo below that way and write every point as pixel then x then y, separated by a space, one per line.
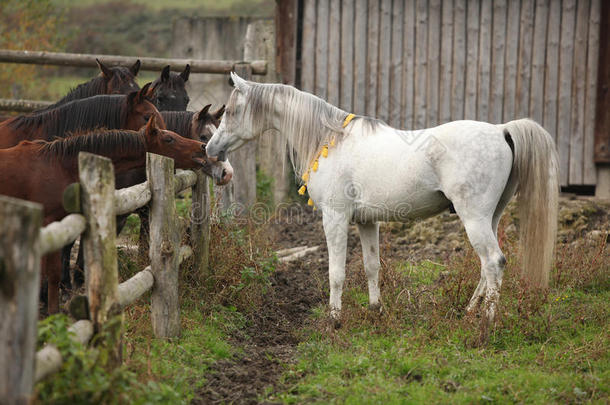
pixel 140 109
pixel 119 79
pixel 205 123
pixel 187 153
pixel 170 90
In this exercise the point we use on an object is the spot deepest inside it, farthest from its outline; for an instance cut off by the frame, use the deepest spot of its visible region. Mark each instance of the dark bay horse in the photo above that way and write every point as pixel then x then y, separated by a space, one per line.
pixel 51 166
pixel 170 90
pixel 112 112
pixel 111 80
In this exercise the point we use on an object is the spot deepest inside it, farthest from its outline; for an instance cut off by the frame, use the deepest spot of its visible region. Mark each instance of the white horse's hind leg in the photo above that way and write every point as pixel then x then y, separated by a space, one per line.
pixel 369 238
pixel 479 294
pixel 335 228
pixel 484 242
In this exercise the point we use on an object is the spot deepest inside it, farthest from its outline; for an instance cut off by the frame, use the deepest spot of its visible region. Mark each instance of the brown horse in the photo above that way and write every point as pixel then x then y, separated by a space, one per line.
pixel 199 126
pixel 170 90
pixel 51 166
pixel 111 80
pixel 113 112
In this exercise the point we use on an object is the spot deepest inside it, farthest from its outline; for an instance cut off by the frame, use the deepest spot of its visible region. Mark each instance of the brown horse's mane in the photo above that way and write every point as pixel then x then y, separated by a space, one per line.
pixel 101 142
pixel 109 111
pixel 178 121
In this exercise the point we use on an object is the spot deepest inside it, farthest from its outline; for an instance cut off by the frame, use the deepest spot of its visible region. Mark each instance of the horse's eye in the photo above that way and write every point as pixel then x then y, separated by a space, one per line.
pixel 168 139
pixel 146 117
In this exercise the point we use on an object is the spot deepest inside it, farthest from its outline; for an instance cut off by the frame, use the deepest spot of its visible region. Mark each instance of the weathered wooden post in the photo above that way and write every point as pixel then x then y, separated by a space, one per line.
pixel 164 246
pixel 200 223
pixel 260 44
pixel 19 285
pixel 96 175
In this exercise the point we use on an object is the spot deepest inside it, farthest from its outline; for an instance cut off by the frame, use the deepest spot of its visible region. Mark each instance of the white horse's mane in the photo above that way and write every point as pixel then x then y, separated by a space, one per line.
pixel 307 122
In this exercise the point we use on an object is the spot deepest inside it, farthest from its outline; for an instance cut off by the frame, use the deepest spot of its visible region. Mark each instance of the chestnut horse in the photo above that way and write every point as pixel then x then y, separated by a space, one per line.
pixel 54 165
pixel 113 112
pixel 198 126
pixel 170 90
pixel 111 80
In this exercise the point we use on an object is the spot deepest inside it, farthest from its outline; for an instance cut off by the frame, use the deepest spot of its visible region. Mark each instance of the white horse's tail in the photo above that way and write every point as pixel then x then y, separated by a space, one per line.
pixel 535 166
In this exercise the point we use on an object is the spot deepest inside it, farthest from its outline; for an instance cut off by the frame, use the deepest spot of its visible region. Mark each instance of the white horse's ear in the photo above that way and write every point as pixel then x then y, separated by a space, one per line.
pixel 239 83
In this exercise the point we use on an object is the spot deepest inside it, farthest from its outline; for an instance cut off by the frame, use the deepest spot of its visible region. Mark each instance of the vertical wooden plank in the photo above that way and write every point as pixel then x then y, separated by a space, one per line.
pixel 164 247
pixel 496 98
pixel 579 80
pixel 360 57
pixel 524 67
pixel 485 35
pixel 96 175
pixel 421 63
pixel 243 160
pixel 19 285
pixel 458 79
pixel 472 57
pixel 385 43
pixel 286 18
pixel 551 68
pixel 407 96
pixel 200 224
pixel 334 53
pixel 322 48
pixel 510 61
pixel 372 58
pixel 308 42
pixel 444 109
pixel 602 118
pixel 589 172
pixel 564 107
pixel 397 61
pixel 434 47
pixel 538 57
pixel 347 55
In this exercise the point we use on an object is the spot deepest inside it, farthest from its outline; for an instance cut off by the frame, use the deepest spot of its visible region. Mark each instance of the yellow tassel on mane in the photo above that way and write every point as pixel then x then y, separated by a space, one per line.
pixel 305 176
pixel 315 166
pixel 310 202
pixel 302 190
pixel 324 151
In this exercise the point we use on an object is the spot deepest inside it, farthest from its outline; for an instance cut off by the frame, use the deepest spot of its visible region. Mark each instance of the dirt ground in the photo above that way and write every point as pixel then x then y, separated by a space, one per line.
pixel 269 341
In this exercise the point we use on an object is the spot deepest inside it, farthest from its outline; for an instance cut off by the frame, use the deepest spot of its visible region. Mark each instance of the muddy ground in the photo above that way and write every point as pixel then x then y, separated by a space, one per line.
pixel 269 341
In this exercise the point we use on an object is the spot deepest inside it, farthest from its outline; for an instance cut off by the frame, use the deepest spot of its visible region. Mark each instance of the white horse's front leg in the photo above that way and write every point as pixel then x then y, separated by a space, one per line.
pixel 335 228
pixel 369 238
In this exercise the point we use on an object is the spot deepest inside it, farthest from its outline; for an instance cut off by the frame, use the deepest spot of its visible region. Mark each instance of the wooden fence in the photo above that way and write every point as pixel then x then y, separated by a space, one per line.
pixel 420 63
pixel 23 243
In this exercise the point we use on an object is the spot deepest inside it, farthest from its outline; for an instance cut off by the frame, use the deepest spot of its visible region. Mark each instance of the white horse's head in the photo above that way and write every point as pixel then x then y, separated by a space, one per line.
pixel 235 129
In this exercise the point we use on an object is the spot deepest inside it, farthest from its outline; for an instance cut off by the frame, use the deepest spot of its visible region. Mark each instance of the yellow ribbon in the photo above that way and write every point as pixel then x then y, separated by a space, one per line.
pixel 313 166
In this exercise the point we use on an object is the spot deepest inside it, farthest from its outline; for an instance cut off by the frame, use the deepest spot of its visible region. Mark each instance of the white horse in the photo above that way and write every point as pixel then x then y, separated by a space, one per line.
pixel 364 171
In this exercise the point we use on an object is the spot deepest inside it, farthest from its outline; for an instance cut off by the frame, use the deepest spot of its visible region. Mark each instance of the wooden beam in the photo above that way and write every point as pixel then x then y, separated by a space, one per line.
pixel 127 200
pixel 7 104
pixel 19 285
pixel 286 18
pixel 164 246
pixel 602 118
pixel 259 67
pixel 58 234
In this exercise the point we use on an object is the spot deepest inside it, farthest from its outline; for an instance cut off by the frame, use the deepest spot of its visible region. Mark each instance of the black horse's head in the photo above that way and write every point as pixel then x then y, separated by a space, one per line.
pixel 170 90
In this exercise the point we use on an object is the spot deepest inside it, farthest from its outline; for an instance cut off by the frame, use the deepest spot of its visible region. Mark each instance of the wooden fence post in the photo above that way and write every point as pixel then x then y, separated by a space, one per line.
pixel 164 246
pixel 200 223
pixel 20 223
pixel 260 44
pixel 96 175
pixel 240 194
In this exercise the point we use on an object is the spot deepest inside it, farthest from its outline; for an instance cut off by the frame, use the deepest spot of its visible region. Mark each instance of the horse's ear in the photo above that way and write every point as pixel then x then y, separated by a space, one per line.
pixel 231 82
pixel 135 68
pixel 239 83
pixel 185 74
pixel 151 126
pixel 150 94
pixel 204 111
pixel 142 94
pixel 105 70
pixel 219 113
pixel 165 74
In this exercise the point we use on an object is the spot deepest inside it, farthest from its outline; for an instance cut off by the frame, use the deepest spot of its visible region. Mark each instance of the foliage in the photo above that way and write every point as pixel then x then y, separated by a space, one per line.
pixel 31 25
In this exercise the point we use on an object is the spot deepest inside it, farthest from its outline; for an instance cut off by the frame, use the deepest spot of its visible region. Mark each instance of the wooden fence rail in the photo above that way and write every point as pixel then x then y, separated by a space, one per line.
pixel 259 67
pixel 23 242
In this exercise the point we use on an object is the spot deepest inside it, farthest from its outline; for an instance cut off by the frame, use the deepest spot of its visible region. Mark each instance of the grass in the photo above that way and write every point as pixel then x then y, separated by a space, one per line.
pixel 545 347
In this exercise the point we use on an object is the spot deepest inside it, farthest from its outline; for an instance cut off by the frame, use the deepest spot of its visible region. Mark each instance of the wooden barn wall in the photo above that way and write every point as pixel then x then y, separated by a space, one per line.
pixel 420 63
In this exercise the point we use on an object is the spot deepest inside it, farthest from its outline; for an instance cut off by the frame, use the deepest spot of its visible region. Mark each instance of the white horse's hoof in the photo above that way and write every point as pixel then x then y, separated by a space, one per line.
pixel 376 308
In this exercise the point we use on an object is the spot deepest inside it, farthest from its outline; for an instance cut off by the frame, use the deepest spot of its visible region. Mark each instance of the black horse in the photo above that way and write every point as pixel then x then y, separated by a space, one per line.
pixel 170 90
